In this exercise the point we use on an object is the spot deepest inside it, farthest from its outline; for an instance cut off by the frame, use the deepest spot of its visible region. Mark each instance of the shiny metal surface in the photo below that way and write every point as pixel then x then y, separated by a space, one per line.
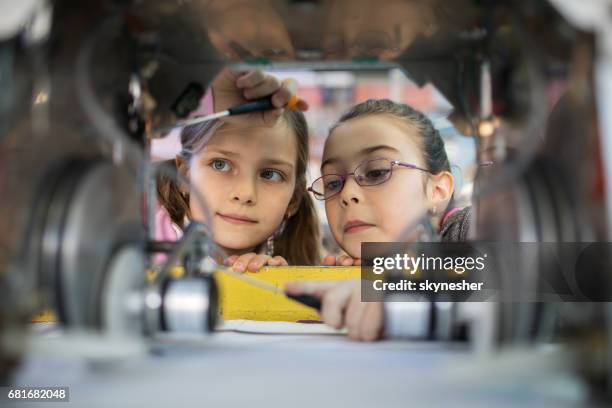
pixel 189 306
pixel 95 225
pixel 407 320
pixel 89 213
pixel 123 288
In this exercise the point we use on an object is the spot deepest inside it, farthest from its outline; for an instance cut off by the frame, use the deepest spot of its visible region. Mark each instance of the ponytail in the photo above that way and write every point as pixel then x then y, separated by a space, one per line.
pixel 298 243
pixel 170 195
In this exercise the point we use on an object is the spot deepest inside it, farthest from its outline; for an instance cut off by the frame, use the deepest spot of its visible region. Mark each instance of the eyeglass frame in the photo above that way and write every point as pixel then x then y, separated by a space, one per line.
pixel 393 163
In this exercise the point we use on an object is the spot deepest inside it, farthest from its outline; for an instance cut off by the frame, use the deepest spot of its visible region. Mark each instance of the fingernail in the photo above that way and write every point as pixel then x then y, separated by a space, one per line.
pixel 253 266
pixel 276 102
pixel 238 267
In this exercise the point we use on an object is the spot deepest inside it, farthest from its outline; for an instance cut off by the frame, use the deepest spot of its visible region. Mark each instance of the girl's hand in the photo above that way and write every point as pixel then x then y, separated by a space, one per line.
pixel 341 306
pixel 341 260
pixel 236 88
pixel 253 262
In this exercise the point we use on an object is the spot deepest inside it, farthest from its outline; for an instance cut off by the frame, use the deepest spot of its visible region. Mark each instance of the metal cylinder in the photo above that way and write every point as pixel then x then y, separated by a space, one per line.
pixel 407 317
pixel 189 305
pixel 414 318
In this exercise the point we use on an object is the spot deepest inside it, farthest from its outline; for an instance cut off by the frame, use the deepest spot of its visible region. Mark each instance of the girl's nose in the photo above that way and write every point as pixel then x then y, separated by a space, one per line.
pixel 351 192
pixel 244 191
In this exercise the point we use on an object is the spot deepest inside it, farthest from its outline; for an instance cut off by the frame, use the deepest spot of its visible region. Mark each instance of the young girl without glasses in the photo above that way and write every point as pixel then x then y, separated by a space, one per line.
pixel 251 175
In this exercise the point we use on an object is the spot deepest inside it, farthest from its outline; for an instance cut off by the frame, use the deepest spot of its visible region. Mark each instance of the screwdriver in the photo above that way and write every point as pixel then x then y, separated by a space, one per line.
pixel 307 300
pixel 257 105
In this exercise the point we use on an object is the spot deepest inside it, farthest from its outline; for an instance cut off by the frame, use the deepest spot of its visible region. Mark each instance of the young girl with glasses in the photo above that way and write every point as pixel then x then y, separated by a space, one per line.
pixel 384 166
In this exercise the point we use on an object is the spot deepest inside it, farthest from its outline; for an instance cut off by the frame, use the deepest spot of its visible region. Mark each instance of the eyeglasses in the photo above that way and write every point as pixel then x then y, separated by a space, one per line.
pixel 368 173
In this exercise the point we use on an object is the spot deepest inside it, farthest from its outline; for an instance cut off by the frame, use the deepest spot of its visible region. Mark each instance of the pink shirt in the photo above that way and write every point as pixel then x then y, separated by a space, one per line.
pixel 449 214
pixel 165 230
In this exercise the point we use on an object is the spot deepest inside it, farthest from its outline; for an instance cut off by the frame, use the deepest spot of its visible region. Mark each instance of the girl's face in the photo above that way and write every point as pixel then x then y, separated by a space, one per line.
pixel 246 176
pixel 382 212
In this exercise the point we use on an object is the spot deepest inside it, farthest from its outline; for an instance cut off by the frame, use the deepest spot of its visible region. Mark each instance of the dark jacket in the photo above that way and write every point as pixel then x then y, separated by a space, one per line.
pixel 457 226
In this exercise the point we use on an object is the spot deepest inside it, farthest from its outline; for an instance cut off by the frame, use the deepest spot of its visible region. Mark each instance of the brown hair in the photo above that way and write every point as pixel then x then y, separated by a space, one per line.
pixel 298 242
pixel 432 144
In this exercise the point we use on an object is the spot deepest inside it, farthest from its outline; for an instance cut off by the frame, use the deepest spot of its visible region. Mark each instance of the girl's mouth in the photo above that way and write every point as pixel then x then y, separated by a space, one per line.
pixel 237 219
pixel 354 226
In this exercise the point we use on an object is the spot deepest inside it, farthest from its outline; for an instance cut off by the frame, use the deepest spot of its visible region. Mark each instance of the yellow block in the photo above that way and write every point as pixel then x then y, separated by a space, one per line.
pixel 44 316
pixel 239 300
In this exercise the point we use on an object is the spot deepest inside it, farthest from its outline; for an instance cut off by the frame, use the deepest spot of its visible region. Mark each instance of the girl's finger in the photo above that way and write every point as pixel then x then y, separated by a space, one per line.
pixel 269 86
pixel 257 262
pixel 230 261
pixel 334 304
pixel 284 93
pixel 354 315
pixel 277 260
pixel 371 324
pixel 241 263
pixel 250 79
pixel 329 260
pixel 345 260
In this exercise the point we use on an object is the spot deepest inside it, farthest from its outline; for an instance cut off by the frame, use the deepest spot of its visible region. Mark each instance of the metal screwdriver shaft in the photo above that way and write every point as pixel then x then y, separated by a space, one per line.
pixel 249 107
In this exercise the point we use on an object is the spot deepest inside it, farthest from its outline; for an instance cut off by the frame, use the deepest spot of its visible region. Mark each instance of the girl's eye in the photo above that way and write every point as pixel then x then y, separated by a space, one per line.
pixel 272 175
pixel 377 174
pixel 333 185
pixel 221 165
